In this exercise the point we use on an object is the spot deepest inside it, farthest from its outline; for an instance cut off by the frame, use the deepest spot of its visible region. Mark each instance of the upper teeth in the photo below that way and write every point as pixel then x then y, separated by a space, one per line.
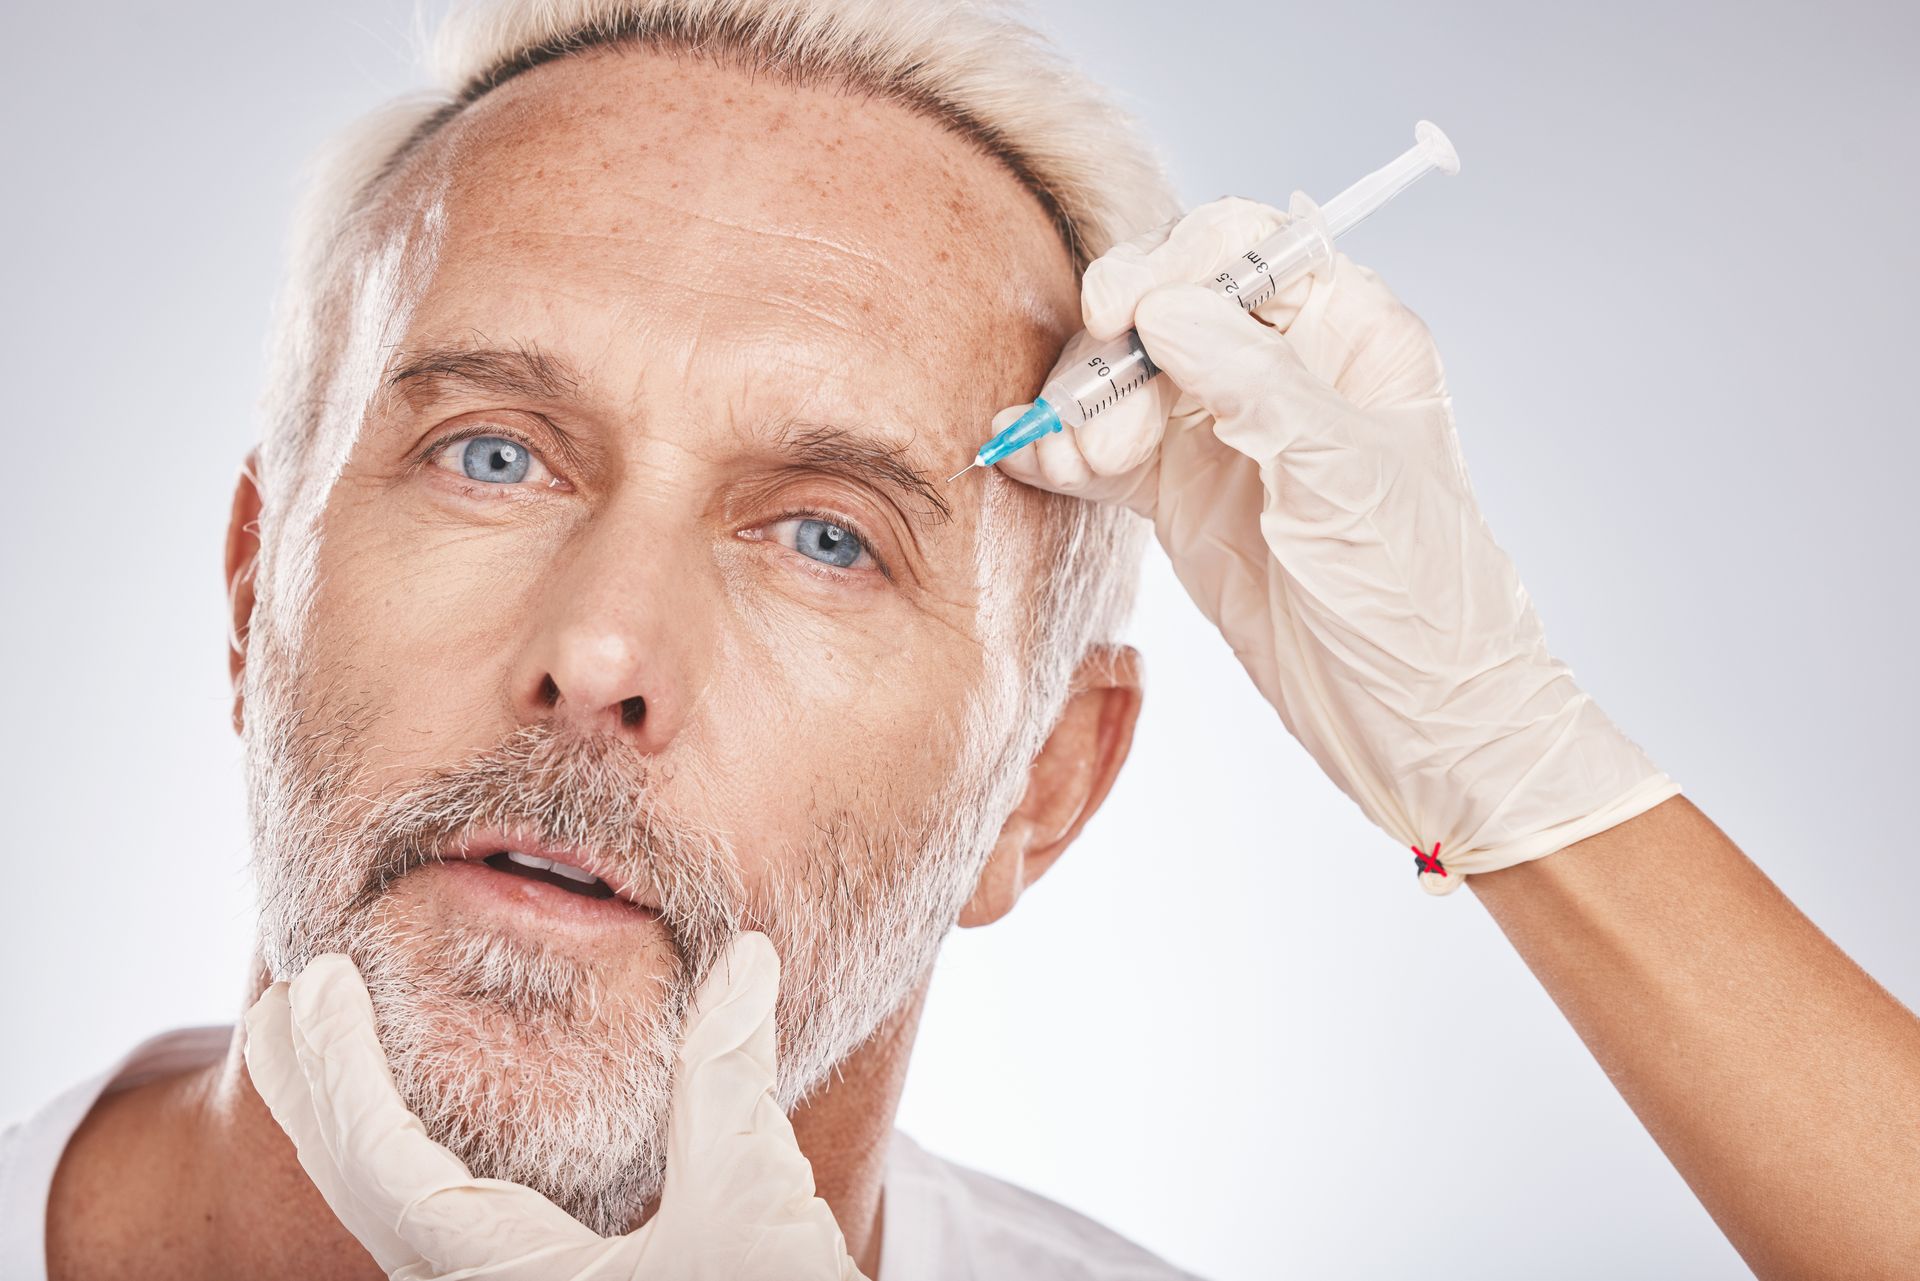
pixel 567 870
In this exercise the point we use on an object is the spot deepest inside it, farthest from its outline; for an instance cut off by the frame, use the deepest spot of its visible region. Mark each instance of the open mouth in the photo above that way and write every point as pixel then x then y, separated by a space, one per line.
pixel 565 875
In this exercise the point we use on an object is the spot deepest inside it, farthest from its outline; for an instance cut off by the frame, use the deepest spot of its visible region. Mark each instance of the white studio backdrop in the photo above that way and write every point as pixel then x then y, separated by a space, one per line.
pixel 1672 287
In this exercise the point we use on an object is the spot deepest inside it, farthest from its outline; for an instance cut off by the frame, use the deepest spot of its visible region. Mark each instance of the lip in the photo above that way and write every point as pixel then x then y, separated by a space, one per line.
pixel 483 843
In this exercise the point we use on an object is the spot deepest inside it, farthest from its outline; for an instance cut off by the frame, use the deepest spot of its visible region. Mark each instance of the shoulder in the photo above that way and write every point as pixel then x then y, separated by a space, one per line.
pixel 976 1225
pixel 34 1169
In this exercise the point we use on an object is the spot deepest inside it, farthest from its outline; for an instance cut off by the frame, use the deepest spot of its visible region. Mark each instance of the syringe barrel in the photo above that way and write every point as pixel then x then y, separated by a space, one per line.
pixel 1106 374
pixel 1282 258
pixel 1100 379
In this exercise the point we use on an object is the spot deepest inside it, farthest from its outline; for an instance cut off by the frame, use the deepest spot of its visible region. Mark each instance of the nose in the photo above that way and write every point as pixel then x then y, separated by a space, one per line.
pixel 597 681
pixel 614 648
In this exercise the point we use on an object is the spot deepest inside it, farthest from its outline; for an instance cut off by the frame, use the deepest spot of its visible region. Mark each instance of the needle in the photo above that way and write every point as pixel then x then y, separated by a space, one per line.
pixel 963 471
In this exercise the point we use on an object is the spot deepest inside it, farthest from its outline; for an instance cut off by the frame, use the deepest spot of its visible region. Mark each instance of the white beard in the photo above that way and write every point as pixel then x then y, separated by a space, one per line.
pixel 517 1057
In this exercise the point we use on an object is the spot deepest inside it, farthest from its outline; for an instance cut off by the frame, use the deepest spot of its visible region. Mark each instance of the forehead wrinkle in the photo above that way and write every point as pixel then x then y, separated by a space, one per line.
pixel 642 200
pixel 834 246
pixel 807 303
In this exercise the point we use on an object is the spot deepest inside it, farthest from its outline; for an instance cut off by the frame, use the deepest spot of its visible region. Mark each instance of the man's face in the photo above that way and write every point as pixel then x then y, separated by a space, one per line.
pixel 636 556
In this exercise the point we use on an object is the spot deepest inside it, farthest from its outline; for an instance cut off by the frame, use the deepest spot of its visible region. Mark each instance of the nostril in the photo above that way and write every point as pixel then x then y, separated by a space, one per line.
pixel 549 692
pixel 633 711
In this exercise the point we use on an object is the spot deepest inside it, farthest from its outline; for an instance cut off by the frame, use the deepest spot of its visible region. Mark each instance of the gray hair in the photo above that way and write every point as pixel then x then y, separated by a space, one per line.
pixel 971 65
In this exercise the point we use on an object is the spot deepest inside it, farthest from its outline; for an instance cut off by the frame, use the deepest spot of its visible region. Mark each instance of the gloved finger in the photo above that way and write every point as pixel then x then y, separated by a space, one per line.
pixel 1197 246
pixel 1061 464
pixel 1086 462
pixel 1265 401
pixel 1151 238
pixel 730 1148
pixel 1215 352
pixel 1068 470
pixel 1283 307
pixel 274 1066
pixel 498 1230
pixel 738 1187
pixel 424 1192
pixel 1355 333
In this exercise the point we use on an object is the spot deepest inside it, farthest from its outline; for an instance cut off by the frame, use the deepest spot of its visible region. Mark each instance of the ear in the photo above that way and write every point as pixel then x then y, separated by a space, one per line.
pixel 243 555
pixel 1069 778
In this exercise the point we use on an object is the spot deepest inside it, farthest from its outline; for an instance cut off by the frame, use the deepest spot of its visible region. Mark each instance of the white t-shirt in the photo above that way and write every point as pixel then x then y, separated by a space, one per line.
pixel 939 1221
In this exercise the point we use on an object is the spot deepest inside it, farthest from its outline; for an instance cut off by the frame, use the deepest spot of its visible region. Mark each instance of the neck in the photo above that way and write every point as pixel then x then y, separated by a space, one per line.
pixel 197 1162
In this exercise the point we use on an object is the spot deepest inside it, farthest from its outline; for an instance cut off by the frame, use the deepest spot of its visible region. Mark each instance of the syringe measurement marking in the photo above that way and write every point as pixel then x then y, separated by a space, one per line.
pixel 1090 408
pixel 1231 286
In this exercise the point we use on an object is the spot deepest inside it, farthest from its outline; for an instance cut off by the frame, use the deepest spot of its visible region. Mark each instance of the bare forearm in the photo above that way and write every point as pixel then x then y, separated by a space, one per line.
pixel 1779 1078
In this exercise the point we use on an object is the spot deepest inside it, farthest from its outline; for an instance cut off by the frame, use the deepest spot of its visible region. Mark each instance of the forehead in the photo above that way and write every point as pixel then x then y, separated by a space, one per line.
pixel 655 213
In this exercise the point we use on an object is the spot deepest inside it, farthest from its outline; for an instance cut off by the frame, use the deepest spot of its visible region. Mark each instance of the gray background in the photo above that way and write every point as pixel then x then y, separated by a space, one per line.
pixel 1672 289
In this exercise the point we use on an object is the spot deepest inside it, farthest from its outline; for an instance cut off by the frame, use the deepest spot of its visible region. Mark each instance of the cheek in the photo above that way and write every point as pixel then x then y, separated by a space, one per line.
pixel 889 689
pixel 431 600
pixel 811 728
pixel 424 614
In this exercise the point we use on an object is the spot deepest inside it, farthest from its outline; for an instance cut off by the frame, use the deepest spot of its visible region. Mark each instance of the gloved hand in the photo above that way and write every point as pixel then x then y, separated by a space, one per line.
pixel 738 1201
pixel 1304 476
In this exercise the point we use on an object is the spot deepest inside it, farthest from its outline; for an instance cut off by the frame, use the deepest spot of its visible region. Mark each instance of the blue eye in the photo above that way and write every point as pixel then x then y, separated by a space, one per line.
pixel 496 459
pixel 827 543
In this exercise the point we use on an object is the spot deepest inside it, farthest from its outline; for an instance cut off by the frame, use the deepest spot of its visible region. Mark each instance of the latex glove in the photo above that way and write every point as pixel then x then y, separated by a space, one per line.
pixel 1305 478
pixel 738 1200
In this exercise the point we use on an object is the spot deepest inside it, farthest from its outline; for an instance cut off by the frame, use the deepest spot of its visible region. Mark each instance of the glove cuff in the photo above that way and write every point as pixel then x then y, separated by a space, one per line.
pixel 1646 794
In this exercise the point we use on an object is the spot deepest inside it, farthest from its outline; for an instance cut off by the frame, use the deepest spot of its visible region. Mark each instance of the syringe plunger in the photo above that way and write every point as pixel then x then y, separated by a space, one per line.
pixel 1429 153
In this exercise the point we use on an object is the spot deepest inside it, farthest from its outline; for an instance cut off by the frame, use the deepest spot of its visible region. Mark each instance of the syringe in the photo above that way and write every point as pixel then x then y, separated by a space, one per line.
pixel 1118 368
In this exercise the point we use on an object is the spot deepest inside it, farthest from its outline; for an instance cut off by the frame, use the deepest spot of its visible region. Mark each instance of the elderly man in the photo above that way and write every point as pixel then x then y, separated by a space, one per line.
pixel 629 716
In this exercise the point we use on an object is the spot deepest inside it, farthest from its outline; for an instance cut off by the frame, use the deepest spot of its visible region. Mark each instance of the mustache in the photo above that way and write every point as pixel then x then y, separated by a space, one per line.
pixel 573 790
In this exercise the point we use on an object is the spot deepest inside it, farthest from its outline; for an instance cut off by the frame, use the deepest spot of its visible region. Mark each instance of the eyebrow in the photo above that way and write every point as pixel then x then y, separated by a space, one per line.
pixel 863 456
pixel 521 372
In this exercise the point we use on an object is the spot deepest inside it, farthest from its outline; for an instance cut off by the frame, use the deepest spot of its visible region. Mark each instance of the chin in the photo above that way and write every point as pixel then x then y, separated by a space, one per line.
pixel 516 1060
